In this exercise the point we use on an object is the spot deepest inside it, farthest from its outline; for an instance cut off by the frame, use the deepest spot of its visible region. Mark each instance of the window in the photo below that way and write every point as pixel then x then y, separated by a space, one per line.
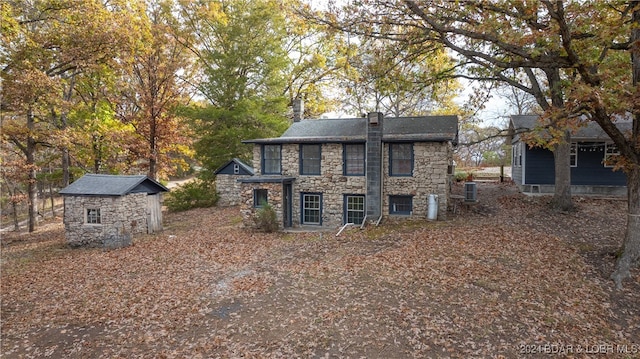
pixel 260 197
pixel 311 208
pixel 573 155
pixel 271 159
pixel 354 209
pixel 236 169
pixel 310 159
pixel 93 216
pixel 400 204
pixel 353 159
pixel 401 159
pixel 610 151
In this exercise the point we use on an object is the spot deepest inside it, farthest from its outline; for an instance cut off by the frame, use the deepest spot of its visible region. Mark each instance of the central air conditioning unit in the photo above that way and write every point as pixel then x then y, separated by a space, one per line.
pixel 470 192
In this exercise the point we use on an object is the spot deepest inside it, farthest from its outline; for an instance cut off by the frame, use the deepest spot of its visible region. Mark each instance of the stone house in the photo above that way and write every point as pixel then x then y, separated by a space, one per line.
pixel 329 172
pixel 227 184
pixel 107 210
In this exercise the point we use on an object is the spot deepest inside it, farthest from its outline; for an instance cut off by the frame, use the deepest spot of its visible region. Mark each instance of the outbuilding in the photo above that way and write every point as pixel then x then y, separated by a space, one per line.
pixel 107 210
pixel 227 184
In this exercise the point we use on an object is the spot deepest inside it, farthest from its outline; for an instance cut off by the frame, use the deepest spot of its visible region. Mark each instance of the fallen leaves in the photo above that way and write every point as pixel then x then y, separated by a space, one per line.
pixel 483 284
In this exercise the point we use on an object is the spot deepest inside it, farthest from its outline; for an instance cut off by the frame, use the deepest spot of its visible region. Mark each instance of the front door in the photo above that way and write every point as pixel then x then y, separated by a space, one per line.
pixel 287 192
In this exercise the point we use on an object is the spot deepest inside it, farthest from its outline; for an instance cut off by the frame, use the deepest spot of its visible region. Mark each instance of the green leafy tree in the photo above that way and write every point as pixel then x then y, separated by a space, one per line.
pixel 46 45
pixel 240 49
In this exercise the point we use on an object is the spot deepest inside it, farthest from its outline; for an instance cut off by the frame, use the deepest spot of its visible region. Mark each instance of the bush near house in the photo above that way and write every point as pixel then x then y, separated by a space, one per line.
pixel 194 194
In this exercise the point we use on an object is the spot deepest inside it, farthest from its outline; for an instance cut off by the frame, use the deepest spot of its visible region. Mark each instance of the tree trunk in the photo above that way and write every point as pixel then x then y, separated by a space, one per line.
pixel 631 245
pixel 32 188
pixel 562 195
pixel 16 223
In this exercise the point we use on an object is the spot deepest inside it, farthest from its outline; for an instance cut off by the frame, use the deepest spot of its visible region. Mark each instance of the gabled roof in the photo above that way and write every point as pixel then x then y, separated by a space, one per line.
pixel 245 169
pixel 589 132
pixel 112 185
pixel 423 128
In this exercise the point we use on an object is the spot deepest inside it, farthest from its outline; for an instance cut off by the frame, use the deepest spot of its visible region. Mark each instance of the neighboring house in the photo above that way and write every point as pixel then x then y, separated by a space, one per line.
pixel 106 210
pixel 329 172
pixel 227 184
pixel 532 168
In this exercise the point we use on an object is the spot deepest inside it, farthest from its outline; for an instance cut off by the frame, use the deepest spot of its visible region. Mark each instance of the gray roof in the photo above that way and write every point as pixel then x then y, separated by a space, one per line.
pixel 591 131
pixel 237 161
pixel 112 185
pixel 424 128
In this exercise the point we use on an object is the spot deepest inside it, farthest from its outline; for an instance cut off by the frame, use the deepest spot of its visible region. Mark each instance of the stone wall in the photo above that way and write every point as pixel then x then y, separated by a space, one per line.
pixel 430 176
pixel 120 217
pixel 431 161
pixel 228 189
pixel 274 199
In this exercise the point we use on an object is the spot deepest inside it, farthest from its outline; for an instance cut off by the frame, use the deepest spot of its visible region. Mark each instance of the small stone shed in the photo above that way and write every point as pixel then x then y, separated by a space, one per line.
pixel 107 210
pixel 227 184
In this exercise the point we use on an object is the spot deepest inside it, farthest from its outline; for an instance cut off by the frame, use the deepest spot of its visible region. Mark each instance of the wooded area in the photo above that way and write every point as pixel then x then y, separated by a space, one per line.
pixel 160 87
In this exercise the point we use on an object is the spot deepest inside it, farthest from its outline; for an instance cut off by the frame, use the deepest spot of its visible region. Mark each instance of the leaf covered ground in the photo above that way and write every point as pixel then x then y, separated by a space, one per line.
pixel 501 278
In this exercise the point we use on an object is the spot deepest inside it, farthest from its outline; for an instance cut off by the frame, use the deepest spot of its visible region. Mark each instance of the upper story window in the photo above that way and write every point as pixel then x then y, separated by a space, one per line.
pixel 401 159
pixel 353 159
pixel 271 159
pixel 610 151
pixel 310 159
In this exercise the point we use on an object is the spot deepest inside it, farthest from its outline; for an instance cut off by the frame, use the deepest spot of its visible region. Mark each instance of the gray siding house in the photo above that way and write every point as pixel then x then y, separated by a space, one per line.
pixel 107 210
pixel 329 172
pixel 533 171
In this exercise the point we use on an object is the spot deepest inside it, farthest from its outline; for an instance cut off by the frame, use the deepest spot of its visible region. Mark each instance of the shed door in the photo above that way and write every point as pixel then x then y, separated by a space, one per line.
pixel 154 213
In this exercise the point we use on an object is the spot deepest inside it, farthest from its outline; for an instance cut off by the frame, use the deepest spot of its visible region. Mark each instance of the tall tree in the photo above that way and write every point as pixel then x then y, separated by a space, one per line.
pixel 154 85
pixel 240 48
pixel 579 58
pixel 46 44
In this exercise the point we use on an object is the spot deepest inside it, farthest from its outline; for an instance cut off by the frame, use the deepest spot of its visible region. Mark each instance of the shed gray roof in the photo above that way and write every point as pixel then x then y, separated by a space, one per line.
pixel 112 185
pixel 423 128
pixel 590 132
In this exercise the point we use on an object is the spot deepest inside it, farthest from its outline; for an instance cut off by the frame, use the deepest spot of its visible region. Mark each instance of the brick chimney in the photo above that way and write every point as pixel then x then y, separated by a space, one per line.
pixel 374 165
pixel 298 109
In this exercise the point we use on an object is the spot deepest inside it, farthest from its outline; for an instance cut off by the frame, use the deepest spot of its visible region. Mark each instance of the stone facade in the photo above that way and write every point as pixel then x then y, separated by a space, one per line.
pixel 120 218
pixel 249 210
pixel 430 176
pixel 228 189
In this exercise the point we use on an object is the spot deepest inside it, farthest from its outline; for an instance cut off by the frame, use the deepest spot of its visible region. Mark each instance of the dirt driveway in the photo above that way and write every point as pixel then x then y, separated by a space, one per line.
pixel 503 278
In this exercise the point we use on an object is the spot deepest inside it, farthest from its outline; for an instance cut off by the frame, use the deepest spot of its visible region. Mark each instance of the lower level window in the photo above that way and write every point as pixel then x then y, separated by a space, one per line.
pixel 354 209
pixel 259 197
pixel 400 204
pixel 311 208
pixel 93 216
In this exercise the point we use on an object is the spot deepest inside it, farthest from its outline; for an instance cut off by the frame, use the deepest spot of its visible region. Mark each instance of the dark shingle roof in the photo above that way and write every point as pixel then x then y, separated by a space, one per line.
pixel 112 185
pixel 590 132
pixel 245 167
pixel 424 128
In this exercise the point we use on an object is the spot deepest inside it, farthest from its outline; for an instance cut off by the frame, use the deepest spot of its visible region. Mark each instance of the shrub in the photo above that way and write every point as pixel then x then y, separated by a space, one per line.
pixel 194 194
pixel 266 219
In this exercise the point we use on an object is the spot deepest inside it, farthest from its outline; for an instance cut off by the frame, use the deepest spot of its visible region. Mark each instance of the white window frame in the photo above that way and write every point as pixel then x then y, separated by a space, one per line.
pixel 610 150
pixel 349 207
pixel 573 155
pixel 91 219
